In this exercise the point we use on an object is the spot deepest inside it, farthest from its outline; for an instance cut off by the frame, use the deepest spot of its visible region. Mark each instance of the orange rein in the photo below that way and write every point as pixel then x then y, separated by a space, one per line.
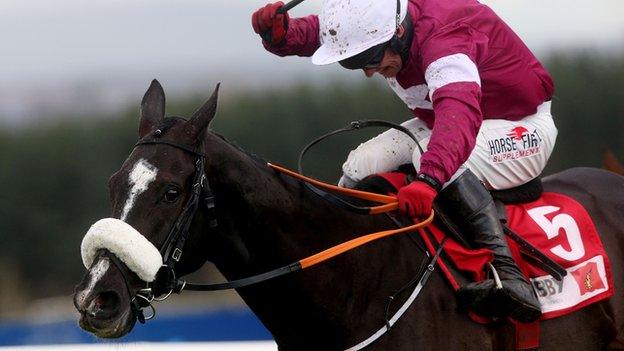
pixel 390 204
pixel 353 243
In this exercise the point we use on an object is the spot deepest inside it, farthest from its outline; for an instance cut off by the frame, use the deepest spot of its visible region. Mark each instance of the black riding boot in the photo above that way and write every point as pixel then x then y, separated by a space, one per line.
pixel 471 209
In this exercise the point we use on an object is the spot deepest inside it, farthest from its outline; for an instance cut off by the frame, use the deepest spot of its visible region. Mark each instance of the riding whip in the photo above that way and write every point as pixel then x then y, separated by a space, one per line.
pixel 289 6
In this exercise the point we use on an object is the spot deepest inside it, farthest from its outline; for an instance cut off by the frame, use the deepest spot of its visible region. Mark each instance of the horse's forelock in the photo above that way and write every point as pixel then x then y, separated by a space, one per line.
pixel 169 123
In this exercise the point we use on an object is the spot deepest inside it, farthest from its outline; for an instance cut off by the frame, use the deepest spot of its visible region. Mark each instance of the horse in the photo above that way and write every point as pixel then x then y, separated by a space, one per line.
pixel 266 219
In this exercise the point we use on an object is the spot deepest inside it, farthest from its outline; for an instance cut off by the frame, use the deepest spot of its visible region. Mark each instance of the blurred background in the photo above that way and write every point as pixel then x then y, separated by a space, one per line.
pixel 72 73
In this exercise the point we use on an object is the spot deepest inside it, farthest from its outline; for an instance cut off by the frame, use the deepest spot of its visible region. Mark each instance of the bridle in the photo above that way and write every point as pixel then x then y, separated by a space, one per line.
pixel 171 250
pixel 173 245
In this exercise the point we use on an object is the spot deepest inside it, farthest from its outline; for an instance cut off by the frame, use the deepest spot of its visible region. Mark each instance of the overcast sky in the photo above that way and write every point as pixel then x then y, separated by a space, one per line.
pixel 47 44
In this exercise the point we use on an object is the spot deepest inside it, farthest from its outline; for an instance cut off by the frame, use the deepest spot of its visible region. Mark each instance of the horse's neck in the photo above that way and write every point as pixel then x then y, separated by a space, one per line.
pixel 274 212
pixel 275 221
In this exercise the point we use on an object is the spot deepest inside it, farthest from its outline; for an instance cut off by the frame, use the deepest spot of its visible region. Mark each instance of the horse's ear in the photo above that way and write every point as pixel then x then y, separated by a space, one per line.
pixel 203 116
pixel 152 108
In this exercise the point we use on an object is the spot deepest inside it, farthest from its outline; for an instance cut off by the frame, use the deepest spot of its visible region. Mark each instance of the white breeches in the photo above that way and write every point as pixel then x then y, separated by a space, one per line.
pixel 507 153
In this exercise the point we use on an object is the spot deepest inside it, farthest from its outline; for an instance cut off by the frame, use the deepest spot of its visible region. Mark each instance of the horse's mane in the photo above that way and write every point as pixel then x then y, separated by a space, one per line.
pixel 255 157
pixel 171 121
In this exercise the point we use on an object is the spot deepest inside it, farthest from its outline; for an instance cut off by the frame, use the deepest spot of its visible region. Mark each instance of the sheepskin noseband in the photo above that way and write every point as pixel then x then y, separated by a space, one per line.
pixel 120 238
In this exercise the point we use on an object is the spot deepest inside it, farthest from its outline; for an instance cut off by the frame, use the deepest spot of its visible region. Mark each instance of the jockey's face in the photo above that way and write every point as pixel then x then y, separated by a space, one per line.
pixel 391 63
pixel 389 66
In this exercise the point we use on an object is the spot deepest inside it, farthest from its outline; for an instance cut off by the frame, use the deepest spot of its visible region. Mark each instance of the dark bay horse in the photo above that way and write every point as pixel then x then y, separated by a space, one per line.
pixel 267 220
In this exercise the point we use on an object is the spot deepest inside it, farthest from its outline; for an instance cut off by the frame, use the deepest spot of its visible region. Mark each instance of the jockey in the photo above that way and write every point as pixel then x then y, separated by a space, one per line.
pixel 482 106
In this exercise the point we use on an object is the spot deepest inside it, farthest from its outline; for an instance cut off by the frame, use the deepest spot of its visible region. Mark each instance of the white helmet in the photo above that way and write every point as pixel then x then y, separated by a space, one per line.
pixel 349 27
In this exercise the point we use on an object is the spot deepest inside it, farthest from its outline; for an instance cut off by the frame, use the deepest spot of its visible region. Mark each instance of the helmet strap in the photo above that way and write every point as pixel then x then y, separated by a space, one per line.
pixel 403 44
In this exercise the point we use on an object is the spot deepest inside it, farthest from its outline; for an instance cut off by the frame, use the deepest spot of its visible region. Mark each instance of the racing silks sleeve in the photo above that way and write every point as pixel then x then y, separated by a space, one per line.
pixel 449 61
pixel 302 38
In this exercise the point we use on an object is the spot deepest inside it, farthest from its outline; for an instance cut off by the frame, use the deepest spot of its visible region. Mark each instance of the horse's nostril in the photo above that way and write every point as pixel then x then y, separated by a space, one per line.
pixel 108 298
pixel 104 304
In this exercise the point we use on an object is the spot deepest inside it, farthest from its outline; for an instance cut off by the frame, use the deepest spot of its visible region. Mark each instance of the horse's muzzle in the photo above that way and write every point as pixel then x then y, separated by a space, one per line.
pixel 103 316
pixel 102 302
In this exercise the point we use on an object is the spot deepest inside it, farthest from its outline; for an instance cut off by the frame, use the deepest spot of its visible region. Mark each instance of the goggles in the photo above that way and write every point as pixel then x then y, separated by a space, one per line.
pixel 370 58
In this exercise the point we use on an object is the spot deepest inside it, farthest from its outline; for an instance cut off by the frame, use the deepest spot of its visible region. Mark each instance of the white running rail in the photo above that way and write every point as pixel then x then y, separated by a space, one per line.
pixel 152 346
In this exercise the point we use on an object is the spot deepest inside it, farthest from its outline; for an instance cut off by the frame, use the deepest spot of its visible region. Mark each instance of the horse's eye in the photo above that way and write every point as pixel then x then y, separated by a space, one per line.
pixel 172 195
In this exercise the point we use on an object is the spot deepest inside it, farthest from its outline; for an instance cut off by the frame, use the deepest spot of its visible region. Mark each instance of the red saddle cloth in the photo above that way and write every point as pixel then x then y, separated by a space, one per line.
pixel 561 228
pixel 558 226
pixel 555 224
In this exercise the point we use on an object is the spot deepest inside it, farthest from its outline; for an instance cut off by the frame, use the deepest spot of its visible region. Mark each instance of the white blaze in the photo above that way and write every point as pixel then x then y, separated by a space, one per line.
pixel 141 175
pixel 95 274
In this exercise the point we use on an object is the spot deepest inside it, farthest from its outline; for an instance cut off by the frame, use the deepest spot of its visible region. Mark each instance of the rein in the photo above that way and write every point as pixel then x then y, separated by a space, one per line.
pixel 355 125
pixel 166 282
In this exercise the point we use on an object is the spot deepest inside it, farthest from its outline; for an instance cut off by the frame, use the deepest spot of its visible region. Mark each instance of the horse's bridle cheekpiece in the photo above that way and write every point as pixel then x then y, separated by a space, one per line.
pixel 165 282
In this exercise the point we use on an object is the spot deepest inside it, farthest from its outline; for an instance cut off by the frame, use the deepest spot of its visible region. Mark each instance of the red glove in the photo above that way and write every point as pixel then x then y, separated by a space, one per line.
pixel 271 26
pixel 416 199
